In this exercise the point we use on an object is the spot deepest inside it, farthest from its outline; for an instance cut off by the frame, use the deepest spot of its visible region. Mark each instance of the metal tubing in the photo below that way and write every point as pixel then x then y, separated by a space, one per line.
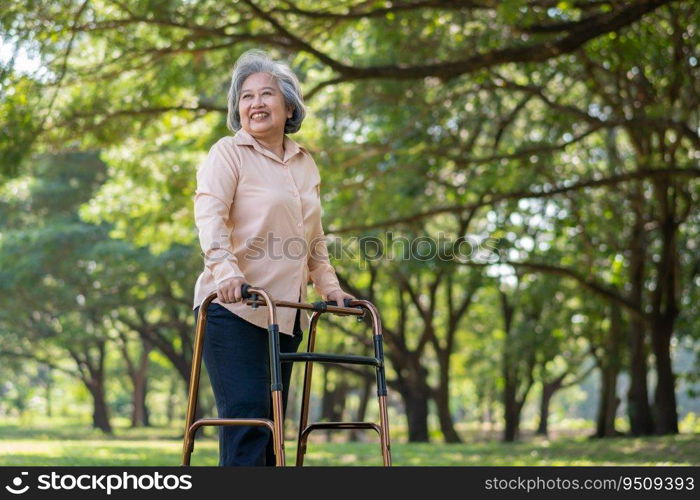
pixel 329 358
pixel 271 307
pixel 340 311
pixel 342 425
pixel 381 380
pixel 274 356
pixel 232 422
pixel 275 379
pixel 304 435
pixel 229 422
pixel 384 434
pixel 278 432
pixel 308 370
pixel 188 445
pixel 376 321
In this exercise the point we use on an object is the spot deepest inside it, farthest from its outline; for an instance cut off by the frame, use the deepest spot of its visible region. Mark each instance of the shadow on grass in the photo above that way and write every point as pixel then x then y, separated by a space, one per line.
pixel 74 444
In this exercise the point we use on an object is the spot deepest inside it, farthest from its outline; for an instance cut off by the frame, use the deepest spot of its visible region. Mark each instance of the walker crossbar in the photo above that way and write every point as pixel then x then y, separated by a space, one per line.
pixel 329 358
pixel 257 297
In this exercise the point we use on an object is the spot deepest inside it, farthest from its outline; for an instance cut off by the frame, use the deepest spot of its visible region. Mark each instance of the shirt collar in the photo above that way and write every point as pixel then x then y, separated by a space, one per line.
pixel 291 148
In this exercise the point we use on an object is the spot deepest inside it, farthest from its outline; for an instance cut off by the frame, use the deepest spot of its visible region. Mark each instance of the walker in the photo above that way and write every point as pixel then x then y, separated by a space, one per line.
pixel 256 297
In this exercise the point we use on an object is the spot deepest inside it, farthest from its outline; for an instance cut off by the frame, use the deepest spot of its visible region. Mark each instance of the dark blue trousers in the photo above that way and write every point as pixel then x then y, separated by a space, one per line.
pixel 237 360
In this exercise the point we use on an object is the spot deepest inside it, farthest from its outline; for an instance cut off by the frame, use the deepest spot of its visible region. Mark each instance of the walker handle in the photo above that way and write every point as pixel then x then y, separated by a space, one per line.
pixel 346 303
pixel 244 291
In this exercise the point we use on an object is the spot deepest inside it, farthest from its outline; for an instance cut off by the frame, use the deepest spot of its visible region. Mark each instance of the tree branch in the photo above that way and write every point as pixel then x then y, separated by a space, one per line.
pixel 542 192
pixel 354 14
pixel 593 27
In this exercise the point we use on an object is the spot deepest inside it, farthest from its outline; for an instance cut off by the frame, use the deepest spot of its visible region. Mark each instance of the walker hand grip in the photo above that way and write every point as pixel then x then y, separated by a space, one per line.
pixel 244 291
pixel 346 303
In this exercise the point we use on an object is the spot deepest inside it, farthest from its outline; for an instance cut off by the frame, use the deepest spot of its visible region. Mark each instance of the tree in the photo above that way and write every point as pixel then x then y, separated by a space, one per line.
pixel 47 281
pixel 578 117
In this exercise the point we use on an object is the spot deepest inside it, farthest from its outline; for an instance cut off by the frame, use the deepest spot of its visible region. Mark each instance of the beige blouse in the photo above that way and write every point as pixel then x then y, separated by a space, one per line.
pixel 259 217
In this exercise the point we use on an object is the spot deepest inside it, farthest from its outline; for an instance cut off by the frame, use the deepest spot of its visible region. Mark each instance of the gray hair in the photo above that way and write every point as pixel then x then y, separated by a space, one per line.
pixel 257 61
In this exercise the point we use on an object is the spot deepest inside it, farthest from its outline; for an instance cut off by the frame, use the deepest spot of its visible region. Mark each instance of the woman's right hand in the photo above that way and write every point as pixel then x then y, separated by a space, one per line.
pixel 230 290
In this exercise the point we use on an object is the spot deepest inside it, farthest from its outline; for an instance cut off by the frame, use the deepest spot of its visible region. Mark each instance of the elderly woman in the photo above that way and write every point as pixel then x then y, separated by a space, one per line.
pixel 258 211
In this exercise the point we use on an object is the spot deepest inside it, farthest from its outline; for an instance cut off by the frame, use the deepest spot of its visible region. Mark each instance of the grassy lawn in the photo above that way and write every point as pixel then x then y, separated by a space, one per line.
pixel 67 444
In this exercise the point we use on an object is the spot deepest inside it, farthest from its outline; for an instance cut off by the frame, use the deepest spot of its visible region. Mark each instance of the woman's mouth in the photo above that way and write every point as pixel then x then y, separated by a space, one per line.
pixel 258 116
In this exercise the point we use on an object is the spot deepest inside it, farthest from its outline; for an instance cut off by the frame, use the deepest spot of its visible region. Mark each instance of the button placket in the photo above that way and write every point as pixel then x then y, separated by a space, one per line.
pixel 297 197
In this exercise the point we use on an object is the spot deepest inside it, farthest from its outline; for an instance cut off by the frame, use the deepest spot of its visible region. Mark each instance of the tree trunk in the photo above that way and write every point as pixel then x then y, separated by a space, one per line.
pixel 412 385
pixel 666 416
pixel 512 407
pixel 333 403
pixel 362 407
pixel 340 397
pixel 442 402
pixel 605 421
pixel 327 394
pixel 638 408
pixel 511 364
pixel 490 411
pixel 170 403
pixel 610 364
pixel 140 413
pixel 665 311
pixel 480 403
pixel 49 405
pixel 91 368
pixel 548 391
pixel 417 415
pixel 100 414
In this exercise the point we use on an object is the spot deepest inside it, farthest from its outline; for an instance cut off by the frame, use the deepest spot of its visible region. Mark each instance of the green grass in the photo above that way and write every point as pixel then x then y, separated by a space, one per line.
pixel 75 444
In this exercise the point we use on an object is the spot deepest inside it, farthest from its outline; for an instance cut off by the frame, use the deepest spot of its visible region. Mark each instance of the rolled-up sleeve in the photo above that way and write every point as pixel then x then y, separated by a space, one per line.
pixel 217 179
pixel 321 271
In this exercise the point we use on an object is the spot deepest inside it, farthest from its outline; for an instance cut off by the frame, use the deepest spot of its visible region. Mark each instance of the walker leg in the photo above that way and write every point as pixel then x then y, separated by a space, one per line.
pixel 304 413
pixel 276 393
pixel 384 434
pixel 188 445
pixel 278 433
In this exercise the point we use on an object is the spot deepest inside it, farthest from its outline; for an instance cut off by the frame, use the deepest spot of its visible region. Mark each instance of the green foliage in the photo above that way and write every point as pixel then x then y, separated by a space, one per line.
pixel 99 148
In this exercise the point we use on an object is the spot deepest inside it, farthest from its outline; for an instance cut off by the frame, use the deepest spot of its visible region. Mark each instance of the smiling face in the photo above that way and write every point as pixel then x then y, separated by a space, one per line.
pixel 262 108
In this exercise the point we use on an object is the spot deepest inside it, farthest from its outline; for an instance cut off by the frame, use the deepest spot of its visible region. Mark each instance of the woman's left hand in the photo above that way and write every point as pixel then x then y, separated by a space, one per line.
pixel 339 296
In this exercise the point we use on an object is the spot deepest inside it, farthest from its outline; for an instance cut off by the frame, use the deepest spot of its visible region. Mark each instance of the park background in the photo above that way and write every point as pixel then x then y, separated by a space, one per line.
pixel 513 183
